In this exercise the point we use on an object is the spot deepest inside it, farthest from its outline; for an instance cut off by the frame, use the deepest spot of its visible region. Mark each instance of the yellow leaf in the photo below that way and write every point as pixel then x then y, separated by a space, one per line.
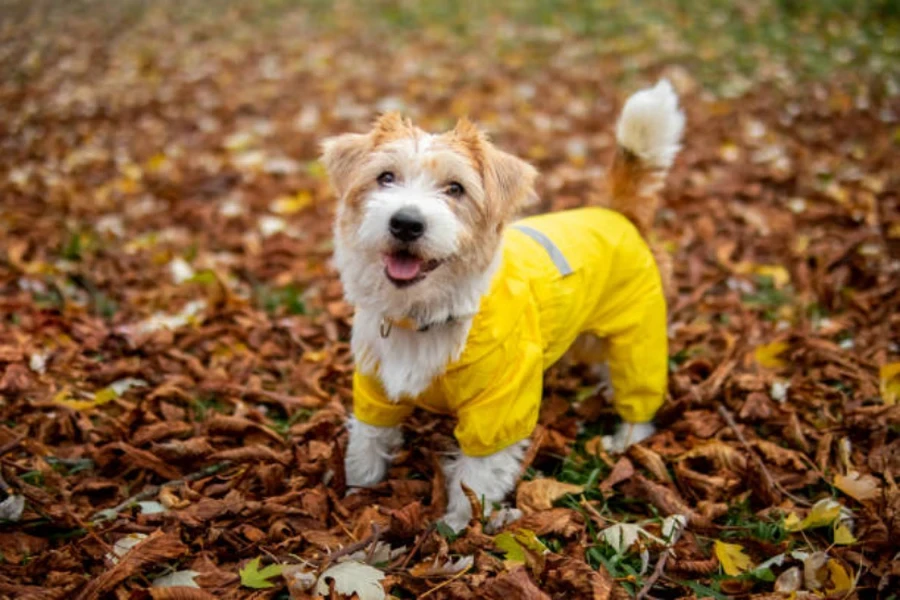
pixel 315 356
pixel 317 170
pixel 729 152
pixel 842 536
pixel 157 163
pixel 515 544
pixel 890 383
pixel 779 275
pixel 767 355
pixel 840 580
pixel 858 486
pixel 824 512
pixel 102 397
pixel 288 205
pixel 732 558
pixel 792 522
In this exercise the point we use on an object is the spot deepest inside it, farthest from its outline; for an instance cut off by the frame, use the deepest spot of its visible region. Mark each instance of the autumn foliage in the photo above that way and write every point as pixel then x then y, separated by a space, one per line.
pixel 174 360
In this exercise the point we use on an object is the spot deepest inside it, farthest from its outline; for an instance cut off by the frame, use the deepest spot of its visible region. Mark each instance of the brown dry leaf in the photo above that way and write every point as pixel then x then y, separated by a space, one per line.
pixel 562 521
pixel 180 593
pixel 156 548
pixel 858 486
pixel 566 577
pixel 621 471
pixel 651 461
pixel 514 584
pixel 540 494
pixel 723 455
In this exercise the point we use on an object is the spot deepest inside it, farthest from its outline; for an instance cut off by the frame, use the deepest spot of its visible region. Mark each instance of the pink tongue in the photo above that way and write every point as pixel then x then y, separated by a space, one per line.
pixel 403 267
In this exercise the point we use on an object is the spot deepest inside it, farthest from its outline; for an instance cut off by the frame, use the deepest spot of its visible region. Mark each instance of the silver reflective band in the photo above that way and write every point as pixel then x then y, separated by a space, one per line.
pixel 555 255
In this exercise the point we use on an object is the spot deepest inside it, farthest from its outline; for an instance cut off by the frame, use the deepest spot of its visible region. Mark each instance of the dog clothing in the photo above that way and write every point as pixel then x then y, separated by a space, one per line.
pixel 561 274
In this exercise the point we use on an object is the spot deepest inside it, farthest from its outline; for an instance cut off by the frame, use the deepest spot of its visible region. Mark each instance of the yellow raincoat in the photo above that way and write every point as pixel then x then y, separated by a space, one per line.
pixel 562 274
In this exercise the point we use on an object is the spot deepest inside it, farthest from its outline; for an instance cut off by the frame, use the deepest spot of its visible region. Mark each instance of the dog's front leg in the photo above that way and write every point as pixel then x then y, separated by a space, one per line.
pixel 490 477
pixel 626 435
pixel 369 452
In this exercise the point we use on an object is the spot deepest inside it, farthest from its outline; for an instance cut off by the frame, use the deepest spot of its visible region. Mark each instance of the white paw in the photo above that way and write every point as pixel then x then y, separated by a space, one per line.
pixel 457 520
pixel 626 435
pixel 369 453
pixel 490 478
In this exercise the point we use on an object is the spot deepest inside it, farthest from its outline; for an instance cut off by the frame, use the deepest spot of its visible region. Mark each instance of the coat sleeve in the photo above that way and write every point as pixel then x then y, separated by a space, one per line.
pixel 372 406
pixel 498 399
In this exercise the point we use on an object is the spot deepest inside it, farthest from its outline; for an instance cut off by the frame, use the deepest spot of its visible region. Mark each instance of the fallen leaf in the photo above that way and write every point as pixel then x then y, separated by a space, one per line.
pixel 12 507
pixel 843 536
pixel 767 355
pixel 815 572
pixel 823 513
pixel 177 579
pixel 789 581
pixel 839 581
pixel 858 486
pixel 442 569
pixel 288 205
pixel 151 507
pixel 622 536
pixel 254 577
pixel 515 544
pixel 889 382
pixel 353 578
pixel 513 584
pixel 732 558
pixel 540 494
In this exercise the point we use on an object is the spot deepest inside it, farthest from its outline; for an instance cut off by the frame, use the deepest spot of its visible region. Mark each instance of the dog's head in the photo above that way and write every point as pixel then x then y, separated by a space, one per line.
pixel 419 214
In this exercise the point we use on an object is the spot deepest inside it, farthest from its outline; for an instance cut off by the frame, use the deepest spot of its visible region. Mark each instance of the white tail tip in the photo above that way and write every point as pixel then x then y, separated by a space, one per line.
pixel 651 125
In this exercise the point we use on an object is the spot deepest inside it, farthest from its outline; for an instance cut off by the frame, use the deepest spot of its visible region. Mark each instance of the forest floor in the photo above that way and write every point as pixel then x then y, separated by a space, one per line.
pixel 174 358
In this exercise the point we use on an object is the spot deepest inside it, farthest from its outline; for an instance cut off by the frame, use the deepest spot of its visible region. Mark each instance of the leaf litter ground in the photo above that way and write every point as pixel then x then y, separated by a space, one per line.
pixel 174 365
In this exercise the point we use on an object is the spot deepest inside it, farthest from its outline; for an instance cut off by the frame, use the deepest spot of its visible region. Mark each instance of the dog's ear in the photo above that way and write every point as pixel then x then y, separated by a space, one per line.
pixel 341 156
pixel 509 182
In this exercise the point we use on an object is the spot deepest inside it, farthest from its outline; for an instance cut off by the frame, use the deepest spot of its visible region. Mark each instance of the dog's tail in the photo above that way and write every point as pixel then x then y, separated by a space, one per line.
pixel 648 136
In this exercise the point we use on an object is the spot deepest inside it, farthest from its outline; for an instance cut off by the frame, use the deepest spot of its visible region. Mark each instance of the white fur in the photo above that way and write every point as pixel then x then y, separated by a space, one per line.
pixel 491 478
pixel 407 361
pixel 369 452
pixel 440 239
pixel 626 435
pixel 651 125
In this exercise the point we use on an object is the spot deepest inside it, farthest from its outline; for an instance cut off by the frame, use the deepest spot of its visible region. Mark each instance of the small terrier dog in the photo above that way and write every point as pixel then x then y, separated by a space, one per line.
pixel 460 311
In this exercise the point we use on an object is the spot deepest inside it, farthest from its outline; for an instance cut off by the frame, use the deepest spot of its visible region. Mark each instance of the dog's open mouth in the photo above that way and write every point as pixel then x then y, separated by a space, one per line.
pixel 404 268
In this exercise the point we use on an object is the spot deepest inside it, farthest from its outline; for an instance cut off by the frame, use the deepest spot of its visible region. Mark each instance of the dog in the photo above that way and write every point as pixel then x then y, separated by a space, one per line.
pixel 460 309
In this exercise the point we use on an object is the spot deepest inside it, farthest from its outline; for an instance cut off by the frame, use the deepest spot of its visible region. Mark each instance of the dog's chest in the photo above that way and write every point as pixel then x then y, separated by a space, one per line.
pixel 407 361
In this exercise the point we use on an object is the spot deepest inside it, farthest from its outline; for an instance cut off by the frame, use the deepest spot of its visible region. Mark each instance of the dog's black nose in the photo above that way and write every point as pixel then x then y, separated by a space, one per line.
pixel 407 225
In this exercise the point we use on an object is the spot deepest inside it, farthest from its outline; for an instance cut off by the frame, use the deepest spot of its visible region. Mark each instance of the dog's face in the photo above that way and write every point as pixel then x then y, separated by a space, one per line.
pixel 419 214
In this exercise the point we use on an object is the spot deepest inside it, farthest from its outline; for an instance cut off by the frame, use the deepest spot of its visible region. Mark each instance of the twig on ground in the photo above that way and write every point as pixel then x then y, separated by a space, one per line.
pixel 726 414
pixel 153 490
pixel 371 539
pixel 657 573
pixel 596 514
pixel 447 582
pixel 419 541
pixel 11 444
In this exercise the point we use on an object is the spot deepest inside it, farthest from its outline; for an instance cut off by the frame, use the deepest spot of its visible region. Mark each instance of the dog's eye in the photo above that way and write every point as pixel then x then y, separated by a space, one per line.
pixel 455 190
pixel 386 178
